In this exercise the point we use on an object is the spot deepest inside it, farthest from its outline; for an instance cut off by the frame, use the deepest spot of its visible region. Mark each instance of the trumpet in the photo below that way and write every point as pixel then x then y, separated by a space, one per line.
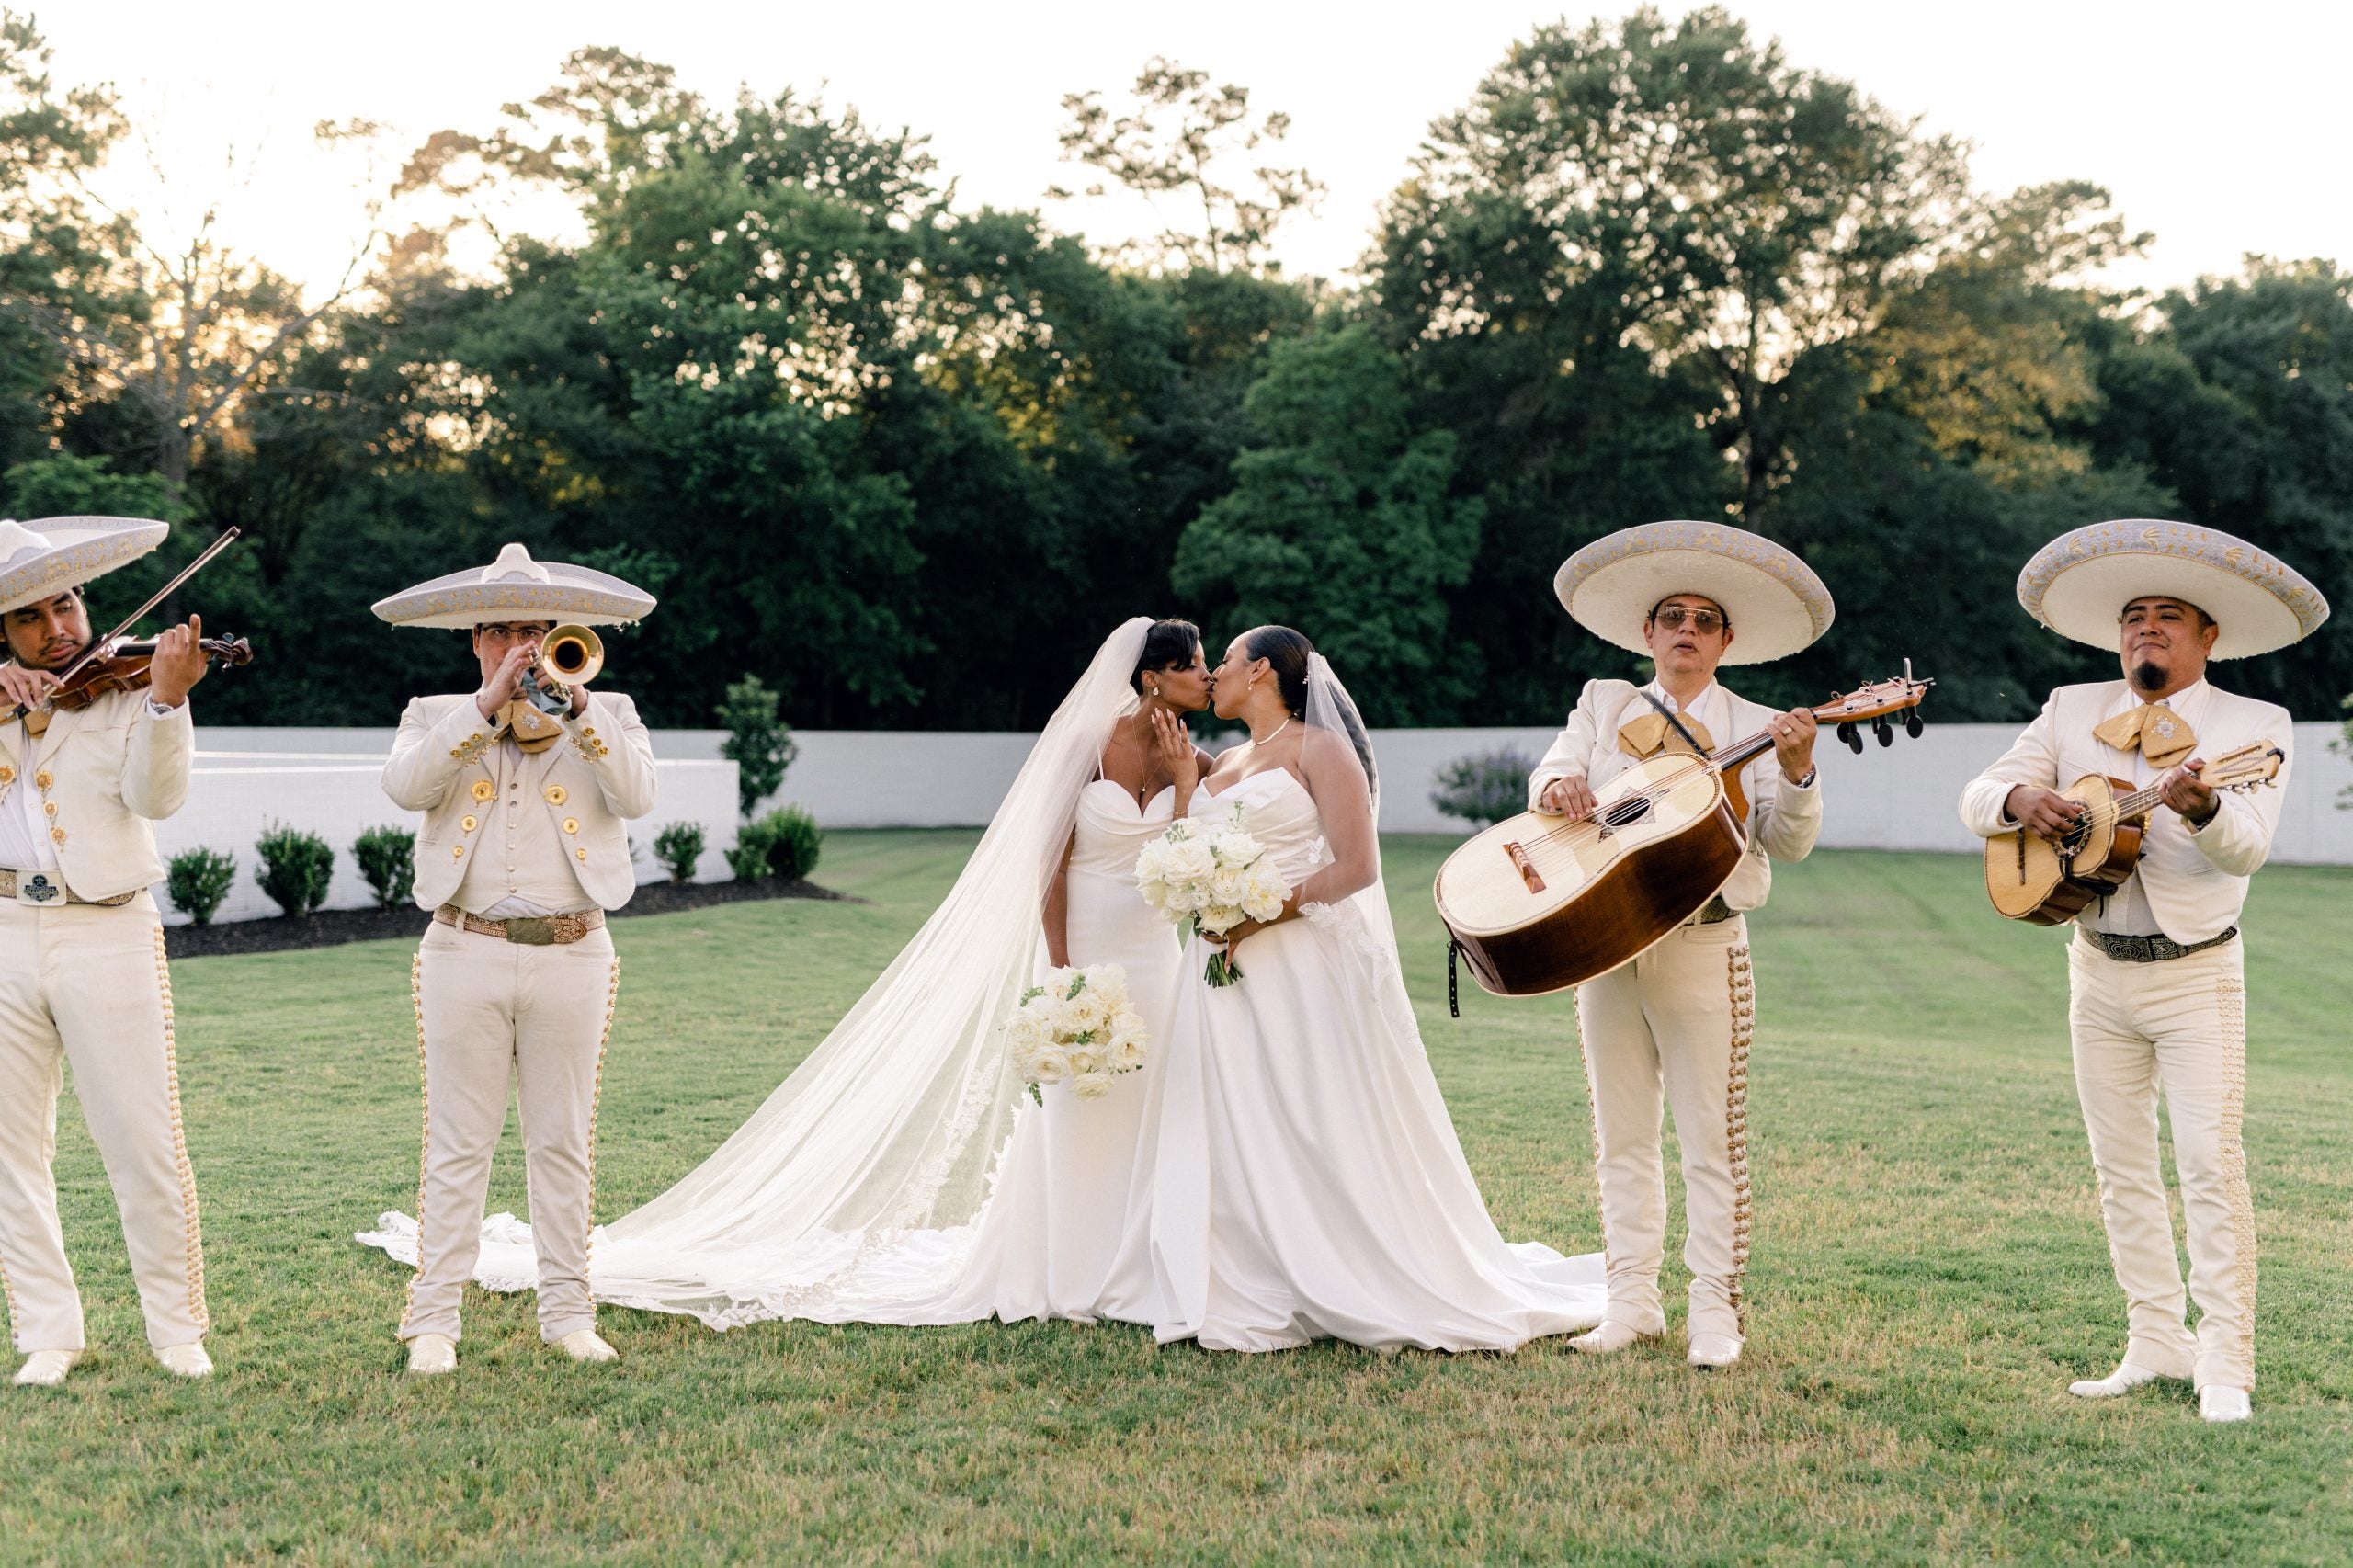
pixel 569 656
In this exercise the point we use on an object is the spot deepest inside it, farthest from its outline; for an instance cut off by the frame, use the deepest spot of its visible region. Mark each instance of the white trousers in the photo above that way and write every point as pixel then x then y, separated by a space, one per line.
pixel 491 1012
pixel 1678 1016
pixel 87 986
pixel 2178 1026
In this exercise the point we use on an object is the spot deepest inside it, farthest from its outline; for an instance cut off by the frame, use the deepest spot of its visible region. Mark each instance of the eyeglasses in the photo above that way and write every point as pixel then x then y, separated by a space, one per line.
pixel 1703 622
pixel 496 632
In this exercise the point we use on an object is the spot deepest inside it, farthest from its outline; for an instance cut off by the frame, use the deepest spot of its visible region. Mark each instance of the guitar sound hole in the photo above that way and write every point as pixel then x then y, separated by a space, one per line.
pixel 1626 813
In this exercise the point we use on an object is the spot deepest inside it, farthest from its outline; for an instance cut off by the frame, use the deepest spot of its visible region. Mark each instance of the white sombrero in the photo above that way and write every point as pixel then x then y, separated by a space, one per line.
pixel 42 558
pixel 1776 603
pixel 516 587
pixel 2079 584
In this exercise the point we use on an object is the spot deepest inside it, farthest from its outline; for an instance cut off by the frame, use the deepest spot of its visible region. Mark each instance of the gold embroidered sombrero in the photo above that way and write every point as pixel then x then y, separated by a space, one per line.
pixel 516 587
pixel 1776 604
pixel 2079 584
pixel 42 559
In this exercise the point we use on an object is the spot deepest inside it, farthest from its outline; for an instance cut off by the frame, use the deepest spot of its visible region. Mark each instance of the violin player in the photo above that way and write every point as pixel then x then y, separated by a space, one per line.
pixel 82 971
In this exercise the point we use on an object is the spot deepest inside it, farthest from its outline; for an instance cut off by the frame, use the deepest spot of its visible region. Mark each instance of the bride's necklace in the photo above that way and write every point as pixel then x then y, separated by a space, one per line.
pixel 1278 730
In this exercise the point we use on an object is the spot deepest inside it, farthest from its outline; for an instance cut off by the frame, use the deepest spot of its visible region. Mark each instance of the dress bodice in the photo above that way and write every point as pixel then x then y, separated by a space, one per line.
pixel 1282 817
pixel 1113 829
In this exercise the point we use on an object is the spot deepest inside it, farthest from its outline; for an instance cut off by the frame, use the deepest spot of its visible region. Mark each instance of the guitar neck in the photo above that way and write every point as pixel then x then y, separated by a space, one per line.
pixel 1745 751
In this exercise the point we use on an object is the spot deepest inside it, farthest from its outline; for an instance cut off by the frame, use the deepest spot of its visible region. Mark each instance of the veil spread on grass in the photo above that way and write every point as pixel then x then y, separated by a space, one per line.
pixel 855 1185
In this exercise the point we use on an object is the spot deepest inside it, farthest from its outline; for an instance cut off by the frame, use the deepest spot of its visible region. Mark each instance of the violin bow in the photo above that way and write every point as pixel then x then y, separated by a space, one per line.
pixel 98 647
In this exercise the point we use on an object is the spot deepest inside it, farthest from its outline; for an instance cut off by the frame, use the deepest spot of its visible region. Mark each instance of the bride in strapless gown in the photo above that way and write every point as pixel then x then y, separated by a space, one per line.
pixel 1304 1178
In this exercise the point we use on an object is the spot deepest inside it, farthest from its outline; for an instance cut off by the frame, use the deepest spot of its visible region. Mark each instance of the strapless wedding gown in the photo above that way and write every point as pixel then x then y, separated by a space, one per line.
pixel 1304 1178
pixel 1049 1242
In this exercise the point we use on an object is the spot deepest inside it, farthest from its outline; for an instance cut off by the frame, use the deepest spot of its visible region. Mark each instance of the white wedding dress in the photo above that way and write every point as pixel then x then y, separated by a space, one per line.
pixel 1305 1180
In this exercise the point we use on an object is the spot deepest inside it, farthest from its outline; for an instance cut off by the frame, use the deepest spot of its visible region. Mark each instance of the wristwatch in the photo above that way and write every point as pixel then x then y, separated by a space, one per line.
pixel 157 710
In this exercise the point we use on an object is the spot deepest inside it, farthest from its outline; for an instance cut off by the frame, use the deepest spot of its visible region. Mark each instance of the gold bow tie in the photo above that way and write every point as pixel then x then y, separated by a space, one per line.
pixel 1651 733
pixel 532 729
pixel 2162 735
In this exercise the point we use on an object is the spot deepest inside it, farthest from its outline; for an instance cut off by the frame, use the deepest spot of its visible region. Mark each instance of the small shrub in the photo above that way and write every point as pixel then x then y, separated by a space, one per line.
pixel 198 881
pixel 759 742
pixel 679 847
pixel 1483 788
pixel 387 857
pixel 295 869
pixel 784 843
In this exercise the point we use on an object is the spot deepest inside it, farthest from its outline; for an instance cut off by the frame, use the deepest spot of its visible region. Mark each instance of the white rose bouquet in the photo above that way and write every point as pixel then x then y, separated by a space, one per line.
pixel 1207 876
pixel 1076 1028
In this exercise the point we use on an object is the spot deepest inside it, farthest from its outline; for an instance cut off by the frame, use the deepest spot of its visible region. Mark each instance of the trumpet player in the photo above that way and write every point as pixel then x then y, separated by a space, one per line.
pixel 525 783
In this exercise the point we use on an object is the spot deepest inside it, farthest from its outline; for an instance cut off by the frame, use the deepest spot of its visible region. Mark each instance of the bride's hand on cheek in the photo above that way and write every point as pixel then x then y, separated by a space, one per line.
pixel 1173 748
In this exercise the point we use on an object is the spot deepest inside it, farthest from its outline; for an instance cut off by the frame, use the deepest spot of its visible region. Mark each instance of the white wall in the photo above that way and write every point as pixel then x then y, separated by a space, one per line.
pixel 1899 797
pixel 325 781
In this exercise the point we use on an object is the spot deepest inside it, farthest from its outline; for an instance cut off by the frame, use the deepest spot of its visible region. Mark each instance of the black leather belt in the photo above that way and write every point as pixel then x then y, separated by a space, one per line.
pixel 2150 950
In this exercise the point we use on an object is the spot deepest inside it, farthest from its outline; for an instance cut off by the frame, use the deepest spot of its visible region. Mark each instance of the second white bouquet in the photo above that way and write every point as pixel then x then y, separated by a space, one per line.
pixel 1212 876
pixel 1076 1028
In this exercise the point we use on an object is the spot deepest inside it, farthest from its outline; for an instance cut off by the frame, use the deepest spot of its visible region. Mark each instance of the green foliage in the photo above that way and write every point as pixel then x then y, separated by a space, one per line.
pixel 66 485
pixel 759 742
pixel 387 857
pixel 782 844
pixel 679 847
pixel 1342 525
pixel 295 869
pixel 1484 787
pixel 198 879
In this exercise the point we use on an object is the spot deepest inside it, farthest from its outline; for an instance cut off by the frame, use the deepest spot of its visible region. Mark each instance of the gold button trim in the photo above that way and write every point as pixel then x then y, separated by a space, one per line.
pixel 58 834
pixel 556 795
pixel 48 807
pixel 582 853
pixel 572 825
pixel 8 776
pixel 469 824
pixel 43 779
pixel 484 789
pixel 457 851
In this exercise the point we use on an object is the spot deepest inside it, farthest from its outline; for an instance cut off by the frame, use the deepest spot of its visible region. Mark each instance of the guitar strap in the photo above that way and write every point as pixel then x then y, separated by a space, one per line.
pixel 1670 716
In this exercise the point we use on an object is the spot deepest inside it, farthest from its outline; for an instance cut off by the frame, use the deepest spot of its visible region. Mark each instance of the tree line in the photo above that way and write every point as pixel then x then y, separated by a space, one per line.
pixel 905 460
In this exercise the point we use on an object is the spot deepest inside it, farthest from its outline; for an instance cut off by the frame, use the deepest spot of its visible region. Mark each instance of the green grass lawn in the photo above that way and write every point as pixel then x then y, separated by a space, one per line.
pixel 1929 1273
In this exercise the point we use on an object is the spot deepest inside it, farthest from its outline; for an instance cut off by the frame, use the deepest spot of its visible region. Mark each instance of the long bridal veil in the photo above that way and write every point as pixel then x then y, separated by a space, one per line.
pixel 855 1183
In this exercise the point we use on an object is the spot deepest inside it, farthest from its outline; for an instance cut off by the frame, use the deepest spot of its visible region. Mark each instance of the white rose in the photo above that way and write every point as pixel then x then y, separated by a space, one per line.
pixel 1125 1055
pixel 1235 847
pixel 1091 1085
pixel 1186 897
pixel 1226 885
pixel 1085 1013
pixel 1049 1066
pixel 1084 1059
pixel 1127 1024
pixel 1028 1031
pixel 1219 918
pixel 1152 863
pixel 1110 982
pixel 1190 861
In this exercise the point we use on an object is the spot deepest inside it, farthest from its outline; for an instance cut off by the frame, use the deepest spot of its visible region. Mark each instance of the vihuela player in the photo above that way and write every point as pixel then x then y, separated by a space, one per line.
pixel 1690 597
pixel 81 972
pixel 2157 976
pixel 521 854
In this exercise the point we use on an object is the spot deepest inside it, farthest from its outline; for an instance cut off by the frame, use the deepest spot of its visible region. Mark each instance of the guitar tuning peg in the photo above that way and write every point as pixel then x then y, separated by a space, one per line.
pixel 1913 722
pixel 1884 730
pixel 1854 741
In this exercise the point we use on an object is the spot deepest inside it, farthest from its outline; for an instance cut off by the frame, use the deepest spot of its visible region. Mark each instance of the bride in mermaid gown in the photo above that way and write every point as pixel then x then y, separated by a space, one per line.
pixel 1305 1180
pixel 901 1173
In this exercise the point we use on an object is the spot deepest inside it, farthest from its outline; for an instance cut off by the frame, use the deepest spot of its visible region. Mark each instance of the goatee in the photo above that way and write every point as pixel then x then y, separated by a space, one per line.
pixel 2148 676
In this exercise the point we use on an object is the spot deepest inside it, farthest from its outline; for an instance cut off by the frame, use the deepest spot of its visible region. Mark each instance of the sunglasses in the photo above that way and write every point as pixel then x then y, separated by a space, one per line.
pixel 1702 621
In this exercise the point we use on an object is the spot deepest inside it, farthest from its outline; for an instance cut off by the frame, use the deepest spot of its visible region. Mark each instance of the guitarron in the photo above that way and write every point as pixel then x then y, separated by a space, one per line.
pixel 1540 903
pixel 2032 879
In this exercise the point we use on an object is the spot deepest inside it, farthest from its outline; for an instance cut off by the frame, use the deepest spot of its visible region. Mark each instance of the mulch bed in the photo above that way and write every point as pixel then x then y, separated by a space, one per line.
pixel 332 927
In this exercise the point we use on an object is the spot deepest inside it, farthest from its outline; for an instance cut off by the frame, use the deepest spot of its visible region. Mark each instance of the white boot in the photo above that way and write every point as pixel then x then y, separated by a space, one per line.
pixel 431 1355
pixel 1609 1338
pixel 585 1345
pixel 184 1360
pixel 2128 1376
pixel 1713 1352
pixel 2216 1403
pixel 46 1369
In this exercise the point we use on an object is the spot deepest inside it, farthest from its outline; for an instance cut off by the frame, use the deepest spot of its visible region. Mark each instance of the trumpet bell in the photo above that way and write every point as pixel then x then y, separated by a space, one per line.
pixel 573 655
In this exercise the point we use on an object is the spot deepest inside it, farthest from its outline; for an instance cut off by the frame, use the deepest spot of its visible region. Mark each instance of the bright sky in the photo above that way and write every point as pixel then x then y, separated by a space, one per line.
pixel 2207 122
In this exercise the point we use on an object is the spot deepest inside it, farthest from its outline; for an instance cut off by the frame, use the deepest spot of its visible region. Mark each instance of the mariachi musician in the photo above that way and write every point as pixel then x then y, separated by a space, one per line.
pixel 525 783
pixel 86 771
pixel 2156 975
pixel 1689 596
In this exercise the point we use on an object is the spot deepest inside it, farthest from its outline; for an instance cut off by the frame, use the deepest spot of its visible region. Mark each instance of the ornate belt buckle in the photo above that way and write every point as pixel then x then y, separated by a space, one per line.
pixel 532 930
pixel 36 889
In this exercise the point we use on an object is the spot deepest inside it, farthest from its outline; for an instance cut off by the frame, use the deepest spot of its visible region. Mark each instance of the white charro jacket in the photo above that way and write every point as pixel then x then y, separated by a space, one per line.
pixel 2192 879
pixel 1783 820
pixel 537 815
pixel 105 774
